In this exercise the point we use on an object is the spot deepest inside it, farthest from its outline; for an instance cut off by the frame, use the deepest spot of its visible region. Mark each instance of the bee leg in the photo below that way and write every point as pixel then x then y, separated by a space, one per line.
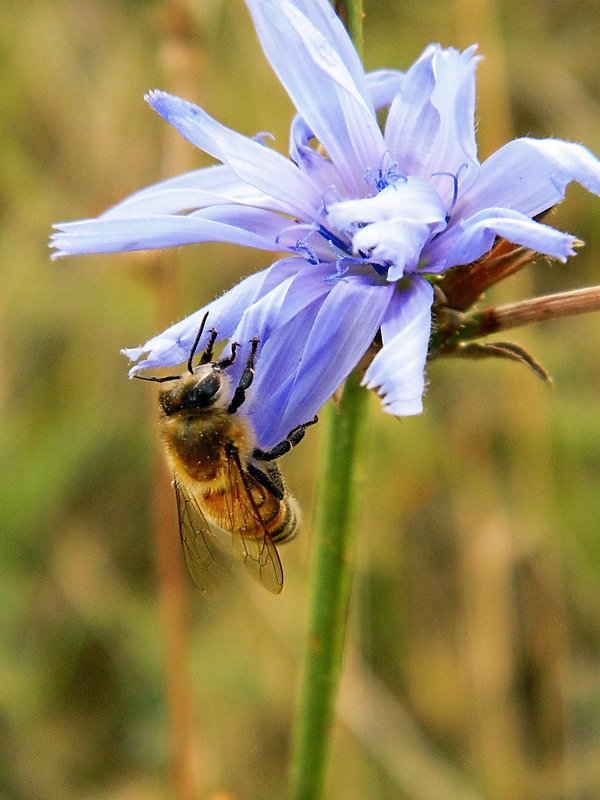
pixel 228 361
pixel 245 381
pixel 207 355
pixel 271 479
pixel 291 440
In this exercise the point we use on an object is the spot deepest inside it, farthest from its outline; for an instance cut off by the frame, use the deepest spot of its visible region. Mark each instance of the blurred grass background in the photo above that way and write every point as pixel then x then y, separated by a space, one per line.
pixel 474 670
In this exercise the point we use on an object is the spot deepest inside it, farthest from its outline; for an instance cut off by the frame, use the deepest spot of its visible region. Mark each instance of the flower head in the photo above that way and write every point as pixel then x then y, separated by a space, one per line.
pixel 365 217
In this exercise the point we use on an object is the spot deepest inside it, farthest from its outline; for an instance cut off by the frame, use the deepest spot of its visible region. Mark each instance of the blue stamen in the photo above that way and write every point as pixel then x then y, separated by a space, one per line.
pixel 380 269
pixel 340 270
pixel 454 189
pixel 345 260
pixel 336 199
pixel 333 240
pixel 302 248
pixel 296 226
pixel 380 178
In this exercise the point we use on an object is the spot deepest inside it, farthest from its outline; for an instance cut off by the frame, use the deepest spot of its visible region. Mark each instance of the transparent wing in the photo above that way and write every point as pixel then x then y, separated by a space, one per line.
pixel 233 521
pixel 207 554
pixel 246 504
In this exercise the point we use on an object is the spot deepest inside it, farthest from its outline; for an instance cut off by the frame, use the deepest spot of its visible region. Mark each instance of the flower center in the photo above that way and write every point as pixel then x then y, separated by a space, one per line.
pixel 385 232
pixel 388 230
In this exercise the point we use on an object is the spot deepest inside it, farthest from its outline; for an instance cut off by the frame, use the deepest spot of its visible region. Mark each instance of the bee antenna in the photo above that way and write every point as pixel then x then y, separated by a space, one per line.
pixel 157 380
pixel 195 344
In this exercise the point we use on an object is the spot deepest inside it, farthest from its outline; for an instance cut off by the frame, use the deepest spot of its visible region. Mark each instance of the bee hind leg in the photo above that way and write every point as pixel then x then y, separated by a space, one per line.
pixel 270 478
pixel 291 440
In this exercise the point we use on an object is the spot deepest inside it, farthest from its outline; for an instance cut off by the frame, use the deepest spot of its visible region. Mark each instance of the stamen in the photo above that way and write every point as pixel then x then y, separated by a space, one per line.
pixel 302 248
pixel 380 178
pixel 340 271
pixel 345 260
pixel 296 226
pixel 334 241
pixel 380 269
pixel 455 186
pixel 337 198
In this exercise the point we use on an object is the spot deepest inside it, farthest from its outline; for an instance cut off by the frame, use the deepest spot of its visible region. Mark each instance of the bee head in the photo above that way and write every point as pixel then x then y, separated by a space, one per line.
pixel 200 389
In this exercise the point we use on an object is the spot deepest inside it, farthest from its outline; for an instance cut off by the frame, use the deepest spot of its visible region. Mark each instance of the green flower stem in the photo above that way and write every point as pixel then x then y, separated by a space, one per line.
pixel 332 568
pixel 351 14
pixel 330 584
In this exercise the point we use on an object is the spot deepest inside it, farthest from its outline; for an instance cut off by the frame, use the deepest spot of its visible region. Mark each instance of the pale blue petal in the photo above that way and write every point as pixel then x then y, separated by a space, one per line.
pixel 172 346
pixel 530 176
pixel 397 241
pixel 333 341
pixel 397 371
pixel 413 121
pixel 283 350
pixel 430 128
pixel 253 162
pixel 318 167
pixel 479 233
pixel 275 374
pixel 454 97
pixel 326 21
pixel 251 227
pixel 412 197
pixel 383 86
pixel 202 187
pixel 270 319
pixel 335 105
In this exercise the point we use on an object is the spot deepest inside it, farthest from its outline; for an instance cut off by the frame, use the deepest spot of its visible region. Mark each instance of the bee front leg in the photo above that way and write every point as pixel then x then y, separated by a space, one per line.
pixel 246 379
pixel 291 440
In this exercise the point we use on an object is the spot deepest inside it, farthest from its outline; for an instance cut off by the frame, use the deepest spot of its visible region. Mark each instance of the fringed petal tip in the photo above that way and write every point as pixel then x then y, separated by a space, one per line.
pixel 59 242
pixel 162 351
pixel 397 373
pixel 156 99
pixel 57 252
pixel 394 402
pixel 133 354
pixel 480 232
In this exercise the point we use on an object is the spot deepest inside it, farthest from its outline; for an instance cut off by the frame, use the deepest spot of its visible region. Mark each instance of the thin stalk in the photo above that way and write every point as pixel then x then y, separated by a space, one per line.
pixel 329 591
pixel 351 14
pixel 512 315
pixel 539 309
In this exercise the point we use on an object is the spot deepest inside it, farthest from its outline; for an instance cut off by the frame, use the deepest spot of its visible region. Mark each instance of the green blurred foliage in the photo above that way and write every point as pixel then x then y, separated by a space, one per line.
pixel 477 602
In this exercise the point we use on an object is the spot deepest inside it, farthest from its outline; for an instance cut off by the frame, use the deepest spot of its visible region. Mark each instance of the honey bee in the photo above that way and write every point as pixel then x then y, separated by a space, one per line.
pixel 227 489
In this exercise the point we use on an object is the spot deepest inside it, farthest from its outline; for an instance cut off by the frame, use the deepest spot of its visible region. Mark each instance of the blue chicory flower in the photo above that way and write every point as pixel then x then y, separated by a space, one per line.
pixel 365 217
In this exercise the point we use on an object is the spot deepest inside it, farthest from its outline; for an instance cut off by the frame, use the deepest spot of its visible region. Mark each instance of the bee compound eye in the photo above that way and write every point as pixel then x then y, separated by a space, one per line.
pixel 204 392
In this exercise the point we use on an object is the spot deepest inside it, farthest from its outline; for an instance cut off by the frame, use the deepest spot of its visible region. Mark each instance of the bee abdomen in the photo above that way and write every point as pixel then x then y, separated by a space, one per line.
pixel 286 526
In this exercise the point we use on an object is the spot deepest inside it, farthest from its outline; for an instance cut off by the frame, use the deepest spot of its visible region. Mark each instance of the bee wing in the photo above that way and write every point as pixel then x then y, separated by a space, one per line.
pixel 259 552
pixel 206 553
pixel 208 548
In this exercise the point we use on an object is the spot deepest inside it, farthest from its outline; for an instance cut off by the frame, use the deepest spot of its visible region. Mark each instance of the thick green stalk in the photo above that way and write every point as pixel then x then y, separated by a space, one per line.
pixel 329 591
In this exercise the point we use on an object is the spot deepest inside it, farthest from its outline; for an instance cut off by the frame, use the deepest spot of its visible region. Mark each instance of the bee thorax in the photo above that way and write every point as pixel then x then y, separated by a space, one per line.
pixel 201 447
